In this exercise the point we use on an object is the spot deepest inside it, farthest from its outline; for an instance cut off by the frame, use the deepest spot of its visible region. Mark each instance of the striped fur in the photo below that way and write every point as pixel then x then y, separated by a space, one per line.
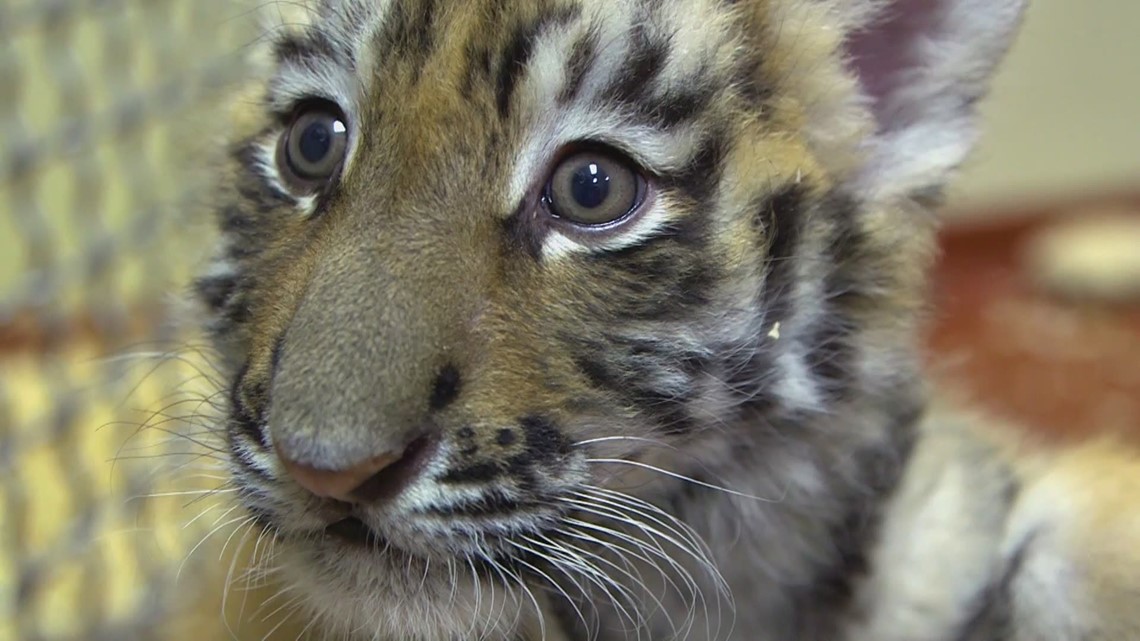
pixel 705 423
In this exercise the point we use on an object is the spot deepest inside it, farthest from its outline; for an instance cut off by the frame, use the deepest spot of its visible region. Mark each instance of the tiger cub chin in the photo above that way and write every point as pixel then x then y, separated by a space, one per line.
pixel 598 320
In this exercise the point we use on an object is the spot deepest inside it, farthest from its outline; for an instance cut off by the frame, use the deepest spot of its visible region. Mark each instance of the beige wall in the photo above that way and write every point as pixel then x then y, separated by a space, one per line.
pixel 1065 113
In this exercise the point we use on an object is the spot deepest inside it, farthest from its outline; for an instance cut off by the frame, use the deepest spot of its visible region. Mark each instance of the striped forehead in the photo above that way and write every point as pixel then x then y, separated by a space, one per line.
pixel 322 50
pixel 548 53
pixel 634 74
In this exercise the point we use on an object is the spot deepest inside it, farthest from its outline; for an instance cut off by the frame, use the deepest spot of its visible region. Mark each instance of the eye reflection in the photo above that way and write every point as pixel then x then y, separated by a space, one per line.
pixel 593 188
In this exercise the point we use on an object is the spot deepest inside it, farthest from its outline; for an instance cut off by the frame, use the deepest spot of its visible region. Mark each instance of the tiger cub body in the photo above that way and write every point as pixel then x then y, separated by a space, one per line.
pixel 598 320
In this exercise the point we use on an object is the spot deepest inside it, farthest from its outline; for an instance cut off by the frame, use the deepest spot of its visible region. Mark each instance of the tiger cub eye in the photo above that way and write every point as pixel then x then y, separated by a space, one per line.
pixel 313 147
pixel 594 188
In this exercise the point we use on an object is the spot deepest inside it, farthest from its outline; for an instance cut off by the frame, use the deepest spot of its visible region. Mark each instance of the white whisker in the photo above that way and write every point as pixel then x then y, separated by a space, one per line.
pixel 687 479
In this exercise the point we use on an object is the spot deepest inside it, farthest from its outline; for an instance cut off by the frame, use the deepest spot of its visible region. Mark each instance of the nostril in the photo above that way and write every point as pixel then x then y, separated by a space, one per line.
pixel 390 481
pixel 375 479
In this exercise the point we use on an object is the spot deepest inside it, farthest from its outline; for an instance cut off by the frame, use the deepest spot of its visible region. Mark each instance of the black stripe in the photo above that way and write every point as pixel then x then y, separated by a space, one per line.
pixel 252 186
pixel 421 31
pixel 247 407
pixel 751 86
pixel 646 57
pixel 700 176
pixel 519 50
pixel 275 355
pixel 245 461
pixel 847 247
pixel 521 232
pixel 506 437
pixel 675 293
pixel 597 373
pixel 446 387
pixel 310 48
pixel 830 356
pixel 748 376
pixel 409 35
pixel 582 57
pixel 233 219
pixel 247 425
pixel 477 473
pixel 513 62
pixel 678 105
pixel 621 371
pixel 238 312
pixel 478 69
pixel 261 517
pixel 666 276
pixel 216 291
pixel 854 535
pixel 544 442
pixel 670 412
pixel 488 505
pixel 782 218
pixel 832 353
pixel 991 613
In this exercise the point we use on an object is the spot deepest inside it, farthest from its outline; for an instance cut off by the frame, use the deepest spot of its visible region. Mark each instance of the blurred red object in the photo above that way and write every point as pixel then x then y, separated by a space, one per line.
pixel 1065 369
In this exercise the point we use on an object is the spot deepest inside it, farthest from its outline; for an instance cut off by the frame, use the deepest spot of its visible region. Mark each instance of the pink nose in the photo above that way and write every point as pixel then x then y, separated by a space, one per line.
pixel 341 485
pixel 376 479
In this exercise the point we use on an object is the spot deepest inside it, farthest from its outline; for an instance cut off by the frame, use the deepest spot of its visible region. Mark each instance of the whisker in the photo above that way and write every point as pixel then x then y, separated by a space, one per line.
pixel 499 571
pixel 534 601
pixel 247 525
pixel 206 537
pixel 651 512
pixel 652 546
pixel 549 579
pixel 581 553
pixel 687 479
pixel 638 579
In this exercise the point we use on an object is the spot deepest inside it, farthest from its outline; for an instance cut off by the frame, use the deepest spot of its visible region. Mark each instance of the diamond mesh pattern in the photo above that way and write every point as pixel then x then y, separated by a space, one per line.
pixel 105 114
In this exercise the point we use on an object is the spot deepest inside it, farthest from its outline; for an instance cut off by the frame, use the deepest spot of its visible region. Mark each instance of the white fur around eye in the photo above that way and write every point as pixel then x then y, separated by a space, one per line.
pixel 305 204
pixel 641 227
pixel 267 167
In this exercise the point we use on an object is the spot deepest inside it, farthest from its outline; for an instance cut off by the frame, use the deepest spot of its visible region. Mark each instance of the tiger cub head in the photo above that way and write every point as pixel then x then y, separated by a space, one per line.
pixel 492 269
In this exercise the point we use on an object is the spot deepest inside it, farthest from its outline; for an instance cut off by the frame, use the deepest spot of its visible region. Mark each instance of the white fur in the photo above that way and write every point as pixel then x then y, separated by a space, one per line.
pixel 644 225
pixel 941 542
pixel 928 119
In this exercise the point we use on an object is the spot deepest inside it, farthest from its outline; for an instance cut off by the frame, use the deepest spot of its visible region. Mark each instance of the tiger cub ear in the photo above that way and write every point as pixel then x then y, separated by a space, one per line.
pixel 921 67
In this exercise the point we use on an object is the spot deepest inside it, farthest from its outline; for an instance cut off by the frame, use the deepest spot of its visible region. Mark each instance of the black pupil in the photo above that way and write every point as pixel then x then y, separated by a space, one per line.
pixel 590 185
pixel 316 141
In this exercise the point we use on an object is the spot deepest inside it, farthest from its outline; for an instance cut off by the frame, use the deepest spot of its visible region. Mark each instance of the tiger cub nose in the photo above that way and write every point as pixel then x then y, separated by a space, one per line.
pixel 374 479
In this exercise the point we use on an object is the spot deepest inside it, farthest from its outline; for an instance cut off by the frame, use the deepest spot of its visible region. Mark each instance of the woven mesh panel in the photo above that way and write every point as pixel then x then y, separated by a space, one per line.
pixel 106 111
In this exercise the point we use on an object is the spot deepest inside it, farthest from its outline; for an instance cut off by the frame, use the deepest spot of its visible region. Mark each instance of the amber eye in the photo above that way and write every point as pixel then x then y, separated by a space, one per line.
pixel 594 188
pixel 313 147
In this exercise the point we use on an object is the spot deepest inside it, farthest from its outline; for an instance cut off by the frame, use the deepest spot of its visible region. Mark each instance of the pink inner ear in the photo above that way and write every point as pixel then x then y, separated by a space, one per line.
pixel 882 52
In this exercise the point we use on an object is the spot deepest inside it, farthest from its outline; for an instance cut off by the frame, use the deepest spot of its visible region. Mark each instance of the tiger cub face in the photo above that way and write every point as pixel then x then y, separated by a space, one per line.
pixel 495 276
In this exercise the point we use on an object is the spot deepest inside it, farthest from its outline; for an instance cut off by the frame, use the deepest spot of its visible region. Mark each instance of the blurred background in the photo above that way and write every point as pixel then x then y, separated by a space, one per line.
pixel 1063 121
pixel 107 108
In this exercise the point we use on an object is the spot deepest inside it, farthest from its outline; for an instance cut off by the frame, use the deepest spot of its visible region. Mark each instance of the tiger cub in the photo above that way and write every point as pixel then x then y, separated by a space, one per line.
pixel 573 319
